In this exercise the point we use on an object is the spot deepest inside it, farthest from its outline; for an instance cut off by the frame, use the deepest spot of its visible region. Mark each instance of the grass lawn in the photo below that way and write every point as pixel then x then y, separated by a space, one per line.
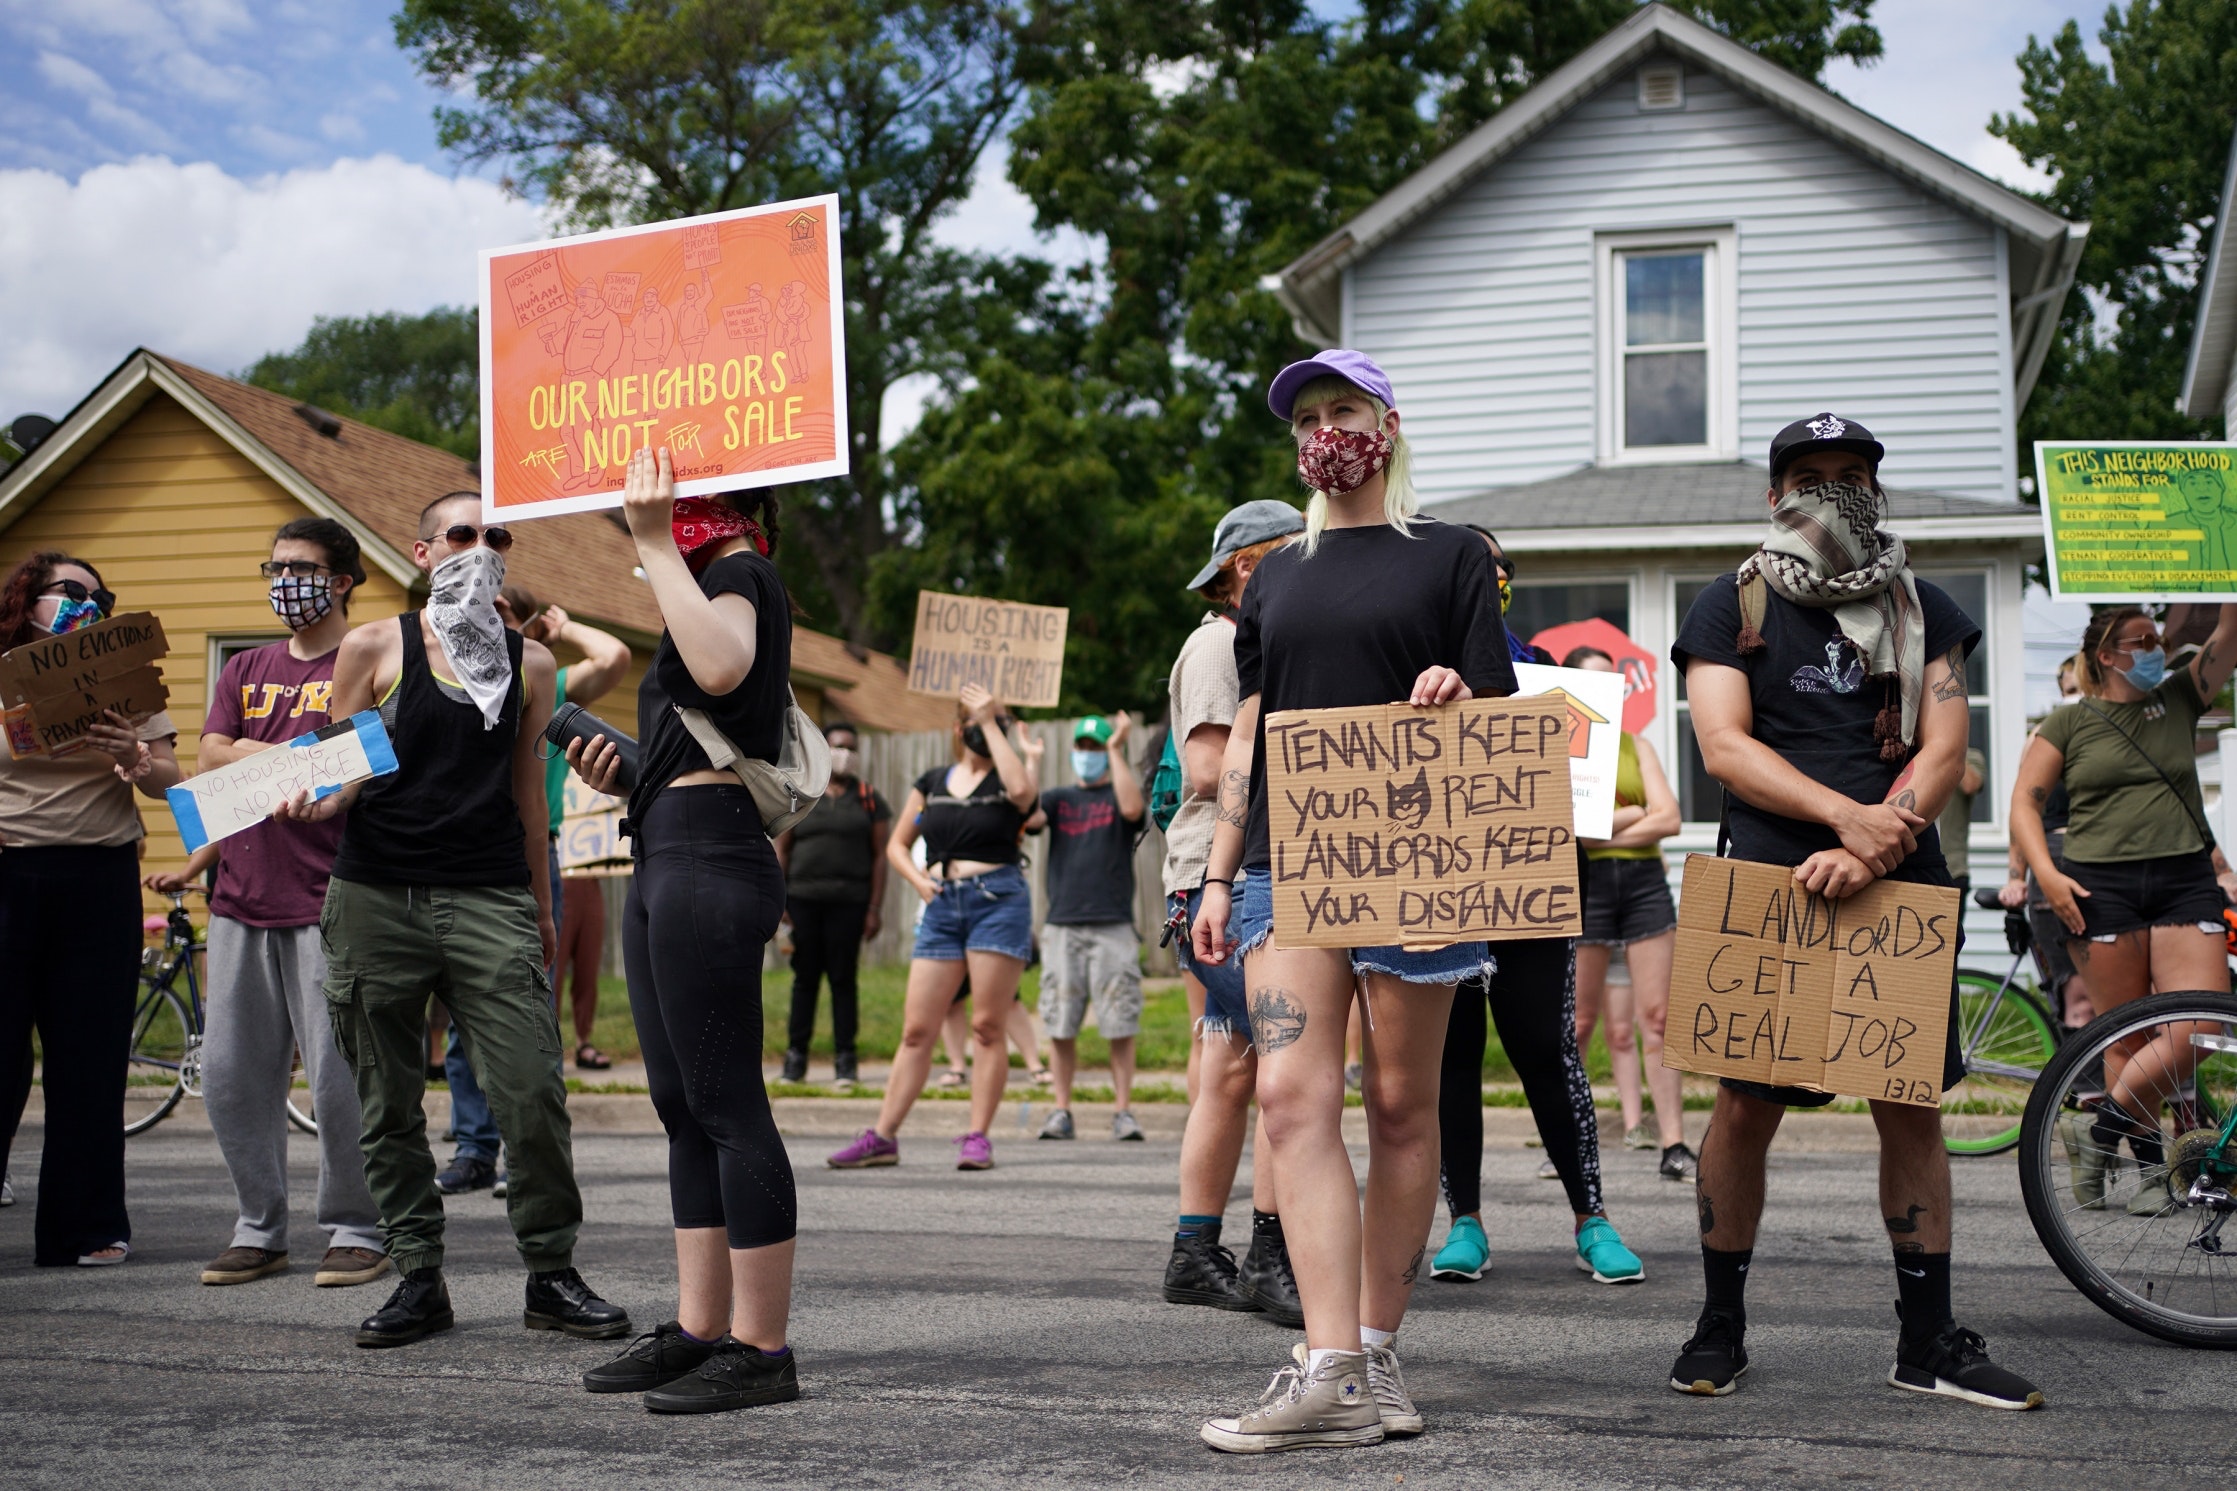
pixel 1162 1045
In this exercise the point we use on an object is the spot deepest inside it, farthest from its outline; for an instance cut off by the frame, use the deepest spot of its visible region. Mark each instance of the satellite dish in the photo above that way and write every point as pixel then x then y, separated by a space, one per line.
pixel 30 431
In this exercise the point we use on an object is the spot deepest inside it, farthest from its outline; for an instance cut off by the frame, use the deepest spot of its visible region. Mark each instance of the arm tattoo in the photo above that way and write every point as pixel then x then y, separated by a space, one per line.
pixel 1905 799
pixel 1952 687
pixel 1276 1020
pixel 2039 795
pixel 1706 1210
pixel 1235 798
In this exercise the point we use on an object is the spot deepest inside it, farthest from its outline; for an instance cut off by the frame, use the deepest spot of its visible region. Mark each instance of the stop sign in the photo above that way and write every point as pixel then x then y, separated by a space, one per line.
pixel 1634 662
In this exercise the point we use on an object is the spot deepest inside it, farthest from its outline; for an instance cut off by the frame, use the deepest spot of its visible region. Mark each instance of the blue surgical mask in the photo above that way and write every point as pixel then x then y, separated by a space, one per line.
pixel 2150 670
pixel 1089 765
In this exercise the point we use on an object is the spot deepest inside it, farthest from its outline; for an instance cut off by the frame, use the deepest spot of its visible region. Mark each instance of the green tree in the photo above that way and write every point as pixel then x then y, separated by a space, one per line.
pixel 2136 146
pixel 415 375
pixel 642 110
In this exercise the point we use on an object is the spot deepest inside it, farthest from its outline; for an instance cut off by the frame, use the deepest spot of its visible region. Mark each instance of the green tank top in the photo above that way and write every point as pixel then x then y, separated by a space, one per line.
pixel 1631 792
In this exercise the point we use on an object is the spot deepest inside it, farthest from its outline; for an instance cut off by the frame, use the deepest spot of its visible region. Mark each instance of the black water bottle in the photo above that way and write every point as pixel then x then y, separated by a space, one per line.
pixel 573 722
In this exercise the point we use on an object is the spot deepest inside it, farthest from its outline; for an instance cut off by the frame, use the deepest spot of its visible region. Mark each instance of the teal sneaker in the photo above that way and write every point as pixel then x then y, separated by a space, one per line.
pixel 1466 1253
pixel 1601 1253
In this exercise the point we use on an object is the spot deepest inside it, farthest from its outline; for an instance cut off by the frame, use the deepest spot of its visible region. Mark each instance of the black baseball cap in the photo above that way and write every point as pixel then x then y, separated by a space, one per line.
pixel 1823 432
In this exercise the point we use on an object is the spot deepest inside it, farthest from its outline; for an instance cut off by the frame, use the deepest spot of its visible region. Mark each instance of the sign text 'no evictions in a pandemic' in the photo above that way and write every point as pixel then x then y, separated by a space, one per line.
pixel 55 689
pixel 1423 827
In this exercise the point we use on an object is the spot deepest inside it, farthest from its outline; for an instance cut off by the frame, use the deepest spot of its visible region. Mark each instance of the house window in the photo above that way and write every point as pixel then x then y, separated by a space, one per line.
pixel 1668 334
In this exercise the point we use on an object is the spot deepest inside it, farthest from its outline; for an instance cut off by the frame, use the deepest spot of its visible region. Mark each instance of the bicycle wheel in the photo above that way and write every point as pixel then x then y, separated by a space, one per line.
pixel 162 1035
pixel 1981 1115
pixel 2145 1245
pixel 299 1108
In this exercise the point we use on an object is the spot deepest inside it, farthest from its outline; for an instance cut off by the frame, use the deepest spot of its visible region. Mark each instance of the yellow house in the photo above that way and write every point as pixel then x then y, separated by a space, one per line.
pixel 172 480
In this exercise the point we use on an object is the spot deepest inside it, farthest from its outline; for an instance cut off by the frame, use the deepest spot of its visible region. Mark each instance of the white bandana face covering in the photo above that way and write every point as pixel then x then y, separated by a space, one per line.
pixel 462 602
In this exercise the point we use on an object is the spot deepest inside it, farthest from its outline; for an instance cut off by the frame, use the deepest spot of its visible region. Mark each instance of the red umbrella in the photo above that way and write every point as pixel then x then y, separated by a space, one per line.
pixel 1634 662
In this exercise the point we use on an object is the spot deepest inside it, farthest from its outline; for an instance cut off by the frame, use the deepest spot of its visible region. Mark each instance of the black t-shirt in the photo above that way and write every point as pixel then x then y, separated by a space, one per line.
pixel 1091 856
pixel 1813 705
pixel 984 826
pixel 1358 622
pixel 833 848
pixel 752 715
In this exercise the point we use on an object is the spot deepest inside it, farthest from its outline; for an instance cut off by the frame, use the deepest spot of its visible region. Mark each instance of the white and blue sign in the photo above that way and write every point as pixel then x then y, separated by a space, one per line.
pixel 221 802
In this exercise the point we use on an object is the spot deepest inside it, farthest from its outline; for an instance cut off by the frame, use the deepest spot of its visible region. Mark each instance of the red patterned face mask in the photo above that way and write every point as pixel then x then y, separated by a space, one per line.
pixel 1338 461
pixel 701 524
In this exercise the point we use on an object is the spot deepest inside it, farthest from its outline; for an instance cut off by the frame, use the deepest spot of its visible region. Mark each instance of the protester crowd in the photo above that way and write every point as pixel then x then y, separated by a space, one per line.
pixel 335 929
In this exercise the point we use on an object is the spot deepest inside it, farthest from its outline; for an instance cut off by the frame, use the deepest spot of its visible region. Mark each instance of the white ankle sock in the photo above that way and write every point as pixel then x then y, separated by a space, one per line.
pixel 1371 1337
pixel 1315 1360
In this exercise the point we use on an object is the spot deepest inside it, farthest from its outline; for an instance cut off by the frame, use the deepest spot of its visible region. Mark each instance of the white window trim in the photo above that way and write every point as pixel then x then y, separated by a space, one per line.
pixel 1720 289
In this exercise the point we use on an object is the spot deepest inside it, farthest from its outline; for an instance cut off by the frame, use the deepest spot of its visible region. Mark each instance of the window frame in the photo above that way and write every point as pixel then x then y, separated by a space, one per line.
pixel 1720 327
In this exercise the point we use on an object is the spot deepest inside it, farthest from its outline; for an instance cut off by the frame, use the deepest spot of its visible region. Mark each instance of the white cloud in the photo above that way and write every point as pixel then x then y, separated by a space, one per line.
pixel 997 218
pixel 340 126
pixel 218 270
pixel 70 73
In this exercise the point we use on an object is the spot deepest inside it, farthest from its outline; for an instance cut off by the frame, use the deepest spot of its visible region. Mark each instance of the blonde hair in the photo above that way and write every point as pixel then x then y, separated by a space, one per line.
pixel 1399 502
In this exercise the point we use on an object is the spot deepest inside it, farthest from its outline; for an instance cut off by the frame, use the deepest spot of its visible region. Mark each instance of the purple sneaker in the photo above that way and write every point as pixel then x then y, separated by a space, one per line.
pixel 869 1148
pixel 974 1152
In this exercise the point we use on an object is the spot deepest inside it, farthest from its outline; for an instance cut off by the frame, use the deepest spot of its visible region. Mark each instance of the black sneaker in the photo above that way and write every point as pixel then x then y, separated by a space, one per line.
pixel 796 1066
pixel 1266 1279
pixel 1201 1272
pixel 734 1375
pixel 560 1301
pixel 843 1068
pixel 1953 1363
pixel 420 1307
pixel 1679 1163
pixel 466 1173
pixel 654 1359
pixel 1715 1360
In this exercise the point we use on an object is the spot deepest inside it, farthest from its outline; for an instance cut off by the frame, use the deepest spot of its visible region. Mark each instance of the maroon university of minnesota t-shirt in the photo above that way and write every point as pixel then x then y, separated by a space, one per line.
pixel 273 875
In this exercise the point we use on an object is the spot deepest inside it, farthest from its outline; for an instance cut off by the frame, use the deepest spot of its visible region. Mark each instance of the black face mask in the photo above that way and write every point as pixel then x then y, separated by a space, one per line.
pixel 974 740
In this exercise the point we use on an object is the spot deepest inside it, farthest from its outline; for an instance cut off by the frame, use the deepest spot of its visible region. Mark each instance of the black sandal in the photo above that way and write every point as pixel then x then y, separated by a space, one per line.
pixel 589 1058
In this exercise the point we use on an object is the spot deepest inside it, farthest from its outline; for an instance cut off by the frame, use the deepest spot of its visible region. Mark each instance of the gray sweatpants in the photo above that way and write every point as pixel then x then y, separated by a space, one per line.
pixel 267 1000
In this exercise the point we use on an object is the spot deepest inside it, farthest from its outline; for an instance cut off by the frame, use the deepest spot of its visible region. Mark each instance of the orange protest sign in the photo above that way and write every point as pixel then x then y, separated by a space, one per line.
pixel 720 337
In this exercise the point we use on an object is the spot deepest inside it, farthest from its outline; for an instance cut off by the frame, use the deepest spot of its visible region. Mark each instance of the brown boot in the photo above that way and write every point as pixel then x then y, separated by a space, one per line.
pixel 240 1265
pixel 342 1267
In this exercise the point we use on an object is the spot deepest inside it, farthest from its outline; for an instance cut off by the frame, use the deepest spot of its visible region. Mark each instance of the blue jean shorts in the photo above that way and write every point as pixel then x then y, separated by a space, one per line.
pixel 1252 922
pixel 990 913
pixel 1226 1012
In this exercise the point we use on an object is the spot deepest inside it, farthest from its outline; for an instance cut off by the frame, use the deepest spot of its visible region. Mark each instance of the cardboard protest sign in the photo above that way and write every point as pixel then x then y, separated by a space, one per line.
pixel 221 802
pixel 1595 704
pixel 1013 651
pixel 590 841
pixel 1424 827
pixel 1634 663
pixel 2139 520
pixel 721 337
pixel 57 688
pixel 1770 983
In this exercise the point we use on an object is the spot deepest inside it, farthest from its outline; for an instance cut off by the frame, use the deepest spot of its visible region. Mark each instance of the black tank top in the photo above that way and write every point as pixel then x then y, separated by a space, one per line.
pixel 446 816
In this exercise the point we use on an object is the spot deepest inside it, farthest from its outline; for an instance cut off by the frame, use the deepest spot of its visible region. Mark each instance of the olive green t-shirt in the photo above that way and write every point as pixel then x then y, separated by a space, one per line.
pixel 2122 811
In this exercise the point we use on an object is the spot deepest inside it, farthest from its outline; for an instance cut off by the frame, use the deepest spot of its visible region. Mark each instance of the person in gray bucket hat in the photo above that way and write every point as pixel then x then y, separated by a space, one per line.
pixel 1244 527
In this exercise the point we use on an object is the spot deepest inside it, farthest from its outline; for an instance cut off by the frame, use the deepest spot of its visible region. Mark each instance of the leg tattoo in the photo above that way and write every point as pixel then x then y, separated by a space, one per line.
pixel 1276 1019
pixel 1706 1210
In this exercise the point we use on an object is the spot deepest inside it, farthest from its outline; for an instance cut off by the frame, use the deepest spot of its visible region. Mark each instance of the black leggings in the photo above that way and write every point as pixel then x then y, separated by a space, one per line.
pixel 1538 1026
pixel 702 905
pixel 826 942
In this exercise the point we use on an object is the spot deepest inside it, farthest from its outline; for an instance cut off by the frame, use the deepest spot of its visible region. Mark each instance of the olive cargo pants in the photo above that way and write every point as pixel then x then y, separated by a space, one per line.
pixel 388 949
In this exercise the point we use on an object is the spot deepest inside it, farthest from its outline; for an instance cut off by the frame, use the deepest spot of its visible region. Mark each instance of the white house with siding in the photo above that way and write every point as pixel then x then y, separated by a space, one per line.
pixel 1598 308
pixel 2210 379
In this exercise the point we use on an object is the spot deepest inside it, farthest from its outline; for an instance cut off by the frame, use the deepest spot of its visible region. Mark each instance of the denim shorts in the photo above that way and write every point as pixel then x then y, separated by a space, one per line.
pixel 990 913
pixel 1251 923
pixel 1626 901
pixel 2133 895
pixel 1226 1012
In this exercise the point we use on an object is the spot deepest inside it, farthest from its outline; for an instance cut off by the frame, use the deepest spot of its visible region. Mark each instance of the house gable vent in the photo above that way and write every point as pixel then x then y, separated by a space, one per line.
pixel 1662 85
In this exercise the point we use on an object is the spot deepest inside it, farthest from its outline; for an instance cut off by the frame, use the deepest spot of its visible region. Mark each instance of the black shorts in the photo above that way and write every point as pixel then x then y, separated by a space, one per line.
pixel 2132 895
pixel 1626 900
pixel 1914 871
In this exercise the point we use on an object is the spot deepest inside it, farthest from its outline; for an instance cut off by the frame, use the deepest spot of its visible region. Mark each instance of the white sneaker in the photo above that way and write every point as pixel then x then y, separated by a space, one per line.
pixel 1400 1418
pixel 1300 1409
pixel 7 1190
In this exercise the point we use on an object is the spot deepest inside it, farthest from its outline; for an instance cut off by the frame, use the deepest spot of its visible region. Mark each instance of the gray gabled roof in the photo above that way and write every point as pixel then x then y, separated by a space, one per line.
pixel 2044 247
pixel 2213 341
pixel 1702 502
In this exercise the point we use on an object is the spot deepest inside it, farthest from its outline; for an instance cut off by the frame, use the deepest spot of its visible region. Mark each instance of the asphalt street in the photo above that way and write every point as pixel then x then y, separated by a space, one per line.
pixel 1004 1329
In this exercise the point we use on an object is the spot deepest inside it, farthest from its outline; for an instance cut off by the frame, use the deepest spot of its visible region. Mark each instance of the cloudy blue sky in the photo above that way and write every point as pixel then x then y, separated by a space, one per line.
pixel 205 176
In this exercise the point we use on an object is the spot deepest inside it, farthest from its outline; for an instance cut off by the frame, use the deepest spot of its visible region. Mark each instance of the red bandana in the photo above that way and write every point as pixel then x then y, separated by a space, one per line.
pixel 701 524
pixel 1338 461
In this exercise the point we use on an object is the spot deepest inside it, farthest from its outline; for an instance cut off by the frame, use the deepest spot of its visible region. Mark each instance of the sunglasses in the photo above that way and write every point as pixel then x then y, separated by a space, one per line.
pixel 294 569
pixel 465 535
pixel 75 591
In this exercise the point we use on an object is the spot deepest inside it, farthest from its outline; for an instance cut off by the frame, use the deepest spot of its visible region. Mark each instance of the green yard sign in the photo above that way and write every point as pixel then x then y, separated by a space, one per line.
pixel 2139 520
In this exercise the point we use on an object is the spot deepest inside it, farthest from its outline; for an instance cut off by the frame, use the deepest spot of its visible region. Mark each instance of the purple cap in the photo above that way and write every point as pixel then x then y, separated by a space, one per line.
pixel 1355 368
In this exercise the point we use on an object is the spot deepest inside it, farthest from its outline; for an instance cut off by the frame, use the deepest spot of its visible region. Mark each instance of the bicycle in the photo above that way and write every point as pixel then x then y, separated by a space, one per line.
pixel 2144 1242
pixel 2007 1038
pixel 165 1060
